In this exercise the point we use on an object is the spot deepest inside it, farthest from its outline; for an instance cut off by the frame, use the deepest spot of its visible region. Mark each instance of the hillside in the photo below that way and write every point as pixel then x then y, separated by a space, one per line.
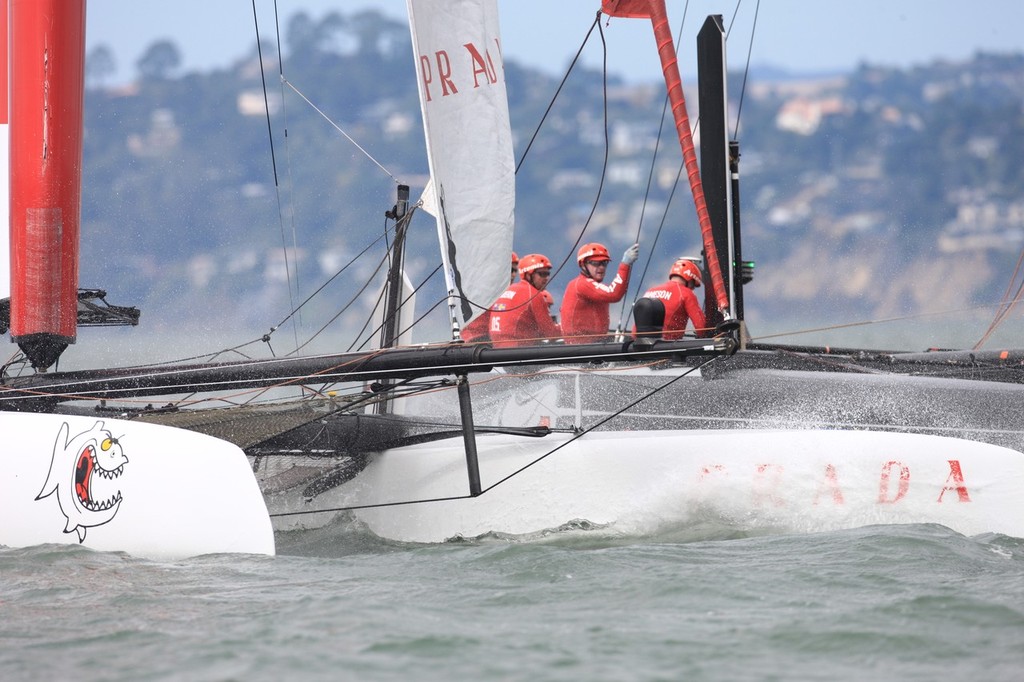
pixel 875 194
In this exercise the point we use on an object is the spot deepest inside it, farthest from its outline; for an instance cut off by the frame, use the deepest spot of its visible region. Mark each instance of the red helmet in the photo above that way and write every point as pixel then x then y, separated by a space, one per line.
pixel 515 260
pixel 534 261
pixel 548 298
pixel 687 270
pixel 592 251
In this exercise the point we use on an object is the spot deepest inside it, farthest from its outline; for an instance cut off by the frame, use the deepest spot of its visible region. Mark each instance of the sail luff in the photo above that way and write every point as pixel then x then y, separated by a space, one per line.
pixel 429 199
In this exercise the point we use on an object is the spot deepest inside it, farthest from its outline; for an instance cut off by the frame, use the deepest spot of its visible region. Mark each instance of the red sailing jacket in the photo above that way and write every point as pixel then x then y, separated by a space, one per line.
pixel 476 330
pixel 520 318
pixel 585 317
pixel 681 305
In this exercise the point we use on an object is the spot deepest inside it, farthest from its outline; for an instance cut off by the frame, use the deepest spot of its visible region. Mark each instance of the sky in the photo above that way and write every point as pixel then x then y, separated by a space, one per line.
pixel 802 36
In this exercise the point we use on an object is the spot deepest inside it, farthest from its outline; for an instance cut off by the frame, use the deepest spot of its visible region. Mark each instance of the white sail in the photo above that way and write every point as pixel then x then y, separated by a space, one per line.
pixel 457 48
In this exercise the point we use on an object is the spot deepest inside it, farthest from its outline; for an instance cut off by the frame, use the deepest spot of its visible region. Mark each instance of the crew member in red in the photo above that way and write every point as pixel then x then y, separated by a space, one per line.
pixel 585 316
pixel 664 310
pixel 520 316
pixel 549 300
pixel 477 330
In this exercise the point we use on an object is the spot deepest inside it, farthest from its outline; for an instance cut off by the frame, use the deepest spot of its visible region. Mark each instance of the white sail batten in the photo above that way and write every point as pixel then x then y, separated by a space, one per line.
pixel 457 48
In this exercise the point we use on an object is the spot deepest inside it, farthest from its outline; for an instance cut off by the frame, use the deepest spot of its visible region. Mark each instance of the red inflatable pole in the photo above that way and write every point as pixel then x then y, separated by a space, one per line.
pixel 47 54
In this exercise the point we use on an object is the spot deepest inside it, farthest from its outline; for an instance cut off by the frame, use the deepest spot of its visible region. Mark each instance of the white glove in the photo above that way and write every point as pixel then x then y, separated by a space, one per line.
pixel 632 253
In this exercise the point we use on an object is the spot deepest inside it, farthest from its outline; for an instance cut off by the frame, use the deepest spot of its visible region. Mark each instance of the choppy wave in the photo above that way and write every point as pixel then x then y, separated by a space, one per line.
pixel 574 602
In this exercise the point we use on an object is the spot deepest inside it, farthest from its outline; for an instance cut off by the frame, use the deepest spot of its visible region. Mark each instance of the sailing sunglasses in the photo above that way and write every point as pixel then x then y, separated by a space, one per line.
pixel 598 263
pixel 542 273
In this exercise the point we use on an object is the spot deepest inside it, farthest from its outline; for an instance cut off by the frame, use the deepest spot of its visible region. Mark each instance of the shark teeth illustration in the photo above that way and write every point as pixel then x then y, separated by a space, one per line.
pixel 110 474
pixel 92 505
pixel 85 491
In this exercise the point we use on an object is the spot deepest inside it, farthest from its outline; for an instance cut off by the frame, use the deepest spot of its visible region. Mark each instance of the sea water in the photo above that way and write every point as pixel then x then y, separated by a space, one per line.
pixel 915 602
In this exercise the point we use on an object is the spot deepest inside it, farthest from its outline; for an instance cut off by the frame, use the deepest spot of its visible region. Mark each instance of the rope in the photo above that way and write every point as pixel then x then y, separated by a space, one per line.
pixel 1006 304
pixel 339 129
pixel 351 301
pixel 746 68
pixel 399 310
pixel 623 318
pixel 604 164
pixel 330 279
pixel 273 161
pixel 863 323
pixel 547 111
pixel 558 90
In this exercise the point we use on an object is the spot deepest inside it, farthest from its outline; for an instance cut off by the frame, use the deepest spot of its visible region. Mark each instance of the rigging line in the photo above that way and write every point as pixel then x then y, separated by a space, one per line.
pixel 657 235
pixel 862 323
pixel 998 318
pixel 647 191
pixel 277 37
pixel 266 107
pixel 664 217
pixel 369 319
pixel 1005 307
pixel 288 162
pixel 512 475
pixel 1016 271
pixel 398 311
pixel 420 318
pixel 551 104
pixel 329 280
pixel 391 259
pixel 746 68
pixel 277 186
pixel 207 357
pixel 390 256
pixel 338 128
pixel 345 307
pixel 604 165
pixel 1002 315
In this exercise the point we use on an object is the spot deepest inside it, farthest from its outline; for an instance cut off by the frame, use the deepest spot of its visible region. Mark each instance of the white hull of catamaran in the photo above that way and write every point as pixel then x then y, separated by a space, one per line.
pixel 640 483
pixel 151 491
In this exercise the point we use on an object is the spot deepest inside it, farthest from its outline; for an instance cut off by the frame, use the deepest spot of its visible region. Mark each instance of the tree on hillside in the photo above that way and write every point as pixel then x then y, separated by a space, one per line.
pixel 376 34
pixel 159 61
pixel 99 65
pixel 305 36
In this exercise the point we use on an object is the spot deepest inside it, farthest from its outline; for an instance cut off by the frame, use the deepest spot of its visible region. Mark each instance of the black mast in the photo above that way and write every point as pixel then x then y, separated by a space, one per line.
pixel 714 155
pixel 720 171
pixel 400 213
pixel 392 303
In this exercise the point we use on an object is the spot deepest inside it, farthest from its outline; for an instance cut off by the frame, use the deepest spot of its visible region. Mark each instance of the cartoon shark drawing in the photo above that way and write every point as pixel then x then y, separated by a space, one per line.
pixel 81 472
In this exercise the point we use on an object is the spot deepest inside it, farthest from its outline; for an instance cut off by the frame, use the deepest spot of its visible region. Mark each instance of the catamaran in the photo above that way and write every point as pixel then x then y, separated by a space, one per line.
pixel 622 437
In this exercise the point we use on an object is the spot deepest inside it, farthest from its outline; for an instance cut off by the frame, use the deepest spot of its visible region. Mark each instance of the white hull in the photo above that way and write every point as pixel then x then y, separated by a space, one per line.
pixel 637 483
pixel 151 491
